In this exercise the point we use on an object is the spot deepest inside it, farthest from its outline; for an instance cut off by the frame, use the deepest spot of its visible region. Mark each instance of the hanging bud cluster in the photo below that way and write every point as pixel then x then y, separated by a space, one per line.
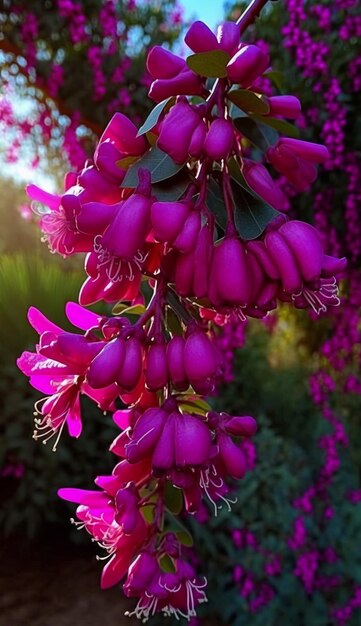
pixel 181 225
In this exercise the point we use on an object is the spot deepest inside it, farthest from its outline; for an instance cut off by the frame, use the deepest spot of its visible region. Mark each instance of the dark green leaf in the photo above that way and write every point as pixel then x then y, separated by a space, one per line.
pixel 148 513
pixel 166 564
pixel 276 77
pixel 236 173
pixel 211 64
pixel 215 202
pixel 173 499
pixel 249 101
pixel 185 538
pixel 160 165
pixel 260 135
pixel 172 189
pixel 126 162
pixel 136 309
pixel 283 127
pixel 155 114
pixel 251 215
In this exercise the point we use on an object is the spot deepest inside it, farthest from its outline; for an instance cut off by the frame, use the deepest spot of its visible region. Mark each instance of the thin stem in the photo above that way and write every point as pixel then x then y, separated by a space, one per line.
pixel 250 14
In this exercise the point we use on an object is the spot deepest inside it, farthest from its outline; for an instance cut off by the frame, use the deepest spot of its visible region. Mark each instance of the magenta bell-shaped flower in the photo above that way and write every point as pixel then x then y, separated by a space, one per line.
pixel 156 373
pixel 297 159
pixel 129 227
pixel 230 287
pixel 131 370
pixel 247 65
pixel 168 219
pixel 200 38
pixel 201 358
pixel 126 505
pixel 304 242
pixel 285 106
pixel 187 238
pixel 162 63
pixel 202 255
pixel 231 456
pixel 140 574
pixel 184 83
pixel 175 360
pixel 240 426
pixel 260 180
pixel 185 442
pixel 105 367
pixel 196 145
pixel 228 36
pixel 285 262
pixel 177 130
pixel 219 139
pixel 145 434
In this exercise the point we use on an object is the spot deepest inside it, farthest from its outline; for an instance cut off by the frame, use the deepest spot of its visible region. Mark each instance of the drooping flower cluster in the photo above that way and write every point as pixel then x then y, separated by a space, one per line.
pixel 169 210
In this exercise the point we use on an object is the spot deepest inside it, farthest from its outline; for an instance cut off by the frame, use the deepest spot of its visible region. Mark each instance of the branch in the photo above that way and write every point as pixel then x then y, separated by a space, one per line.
pixel 250 14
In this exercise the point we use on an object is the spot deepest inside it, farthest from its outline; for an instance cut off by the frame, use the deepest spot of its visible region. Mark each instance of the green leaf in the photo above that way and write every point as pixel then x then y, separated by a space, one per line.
pixel 173 524
pixel 173 498
pixel 260 135
pixel 136 309
pixel 173 323
pixel 166 564
pixel 185 538
pixel 276 77
pixel 283 127
pixel 215 202
pixel 160 165
pixel 249 101
pixel 211 64
pixel 155 114
pixel 251 215
pixel 172 189
pixel 148 513
pixel 126 162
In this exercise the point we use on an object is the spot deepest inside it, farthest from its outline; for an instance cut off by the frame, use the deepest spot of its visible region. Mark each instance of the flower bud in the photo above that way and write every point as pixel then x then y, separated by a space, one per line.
pixel 129 228
pixel 122 134
pixel 198 138
pixel 284 260
pixel 244 426
pixel 192 440
pixel 285 106
pixel 228 36
pixel 233 287
pixel 140 574
pixel 185 83
pixel 177 130
pixel 202 260
pixel 104 369
pixel 201 358
pixel 168 219
pixel 175 360
pixel 232 457
pixel 184 272
pixel 306 247
pixel 259 179
pixel 219 140
pixel 131 369
pixel 187 238
pixel 127 512
pixel 162 63
pixel 200 38
pixel 156 374
pixel 247 65
pixel 145 434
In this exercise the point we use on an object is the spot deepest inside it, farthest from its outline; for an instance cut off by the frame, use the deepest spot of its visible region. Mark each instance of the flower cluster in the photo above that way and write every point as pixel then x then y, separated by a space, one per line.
pixel 163 215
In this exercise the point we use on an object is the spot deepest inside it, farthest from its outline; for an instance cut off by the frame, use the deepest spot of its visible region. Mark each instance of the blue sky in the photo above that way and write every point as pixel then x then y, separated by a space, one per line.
pixel 209 11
